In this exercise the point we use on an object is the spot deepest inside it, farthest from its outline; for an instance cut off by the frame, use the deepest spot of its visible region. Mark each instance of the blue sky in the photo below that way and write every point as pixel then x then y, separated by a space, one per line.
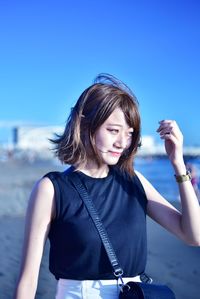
pixel 51 50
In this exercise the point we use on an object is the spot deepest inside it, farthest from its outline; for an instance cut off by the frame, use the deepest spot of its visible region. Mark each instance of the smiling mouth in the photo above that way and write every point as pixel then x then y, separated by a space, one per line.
pixel 117 154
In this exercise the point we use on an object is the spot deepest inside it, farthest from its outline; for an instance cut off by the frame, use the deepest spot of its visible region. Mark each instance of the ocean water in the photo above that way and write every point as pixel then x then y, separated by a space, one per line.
pixel 161 175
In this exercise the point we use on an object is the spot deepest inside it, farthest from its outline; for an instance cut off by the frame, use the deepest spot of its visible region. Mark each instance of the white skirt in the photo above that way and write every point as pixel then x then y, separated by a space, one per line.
pixel 90 289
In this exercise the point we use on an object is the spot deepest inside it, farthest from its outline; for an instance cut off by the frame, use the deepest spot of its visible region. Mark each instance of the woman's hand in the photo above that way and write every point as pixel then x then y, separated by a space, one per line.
pixel 173 138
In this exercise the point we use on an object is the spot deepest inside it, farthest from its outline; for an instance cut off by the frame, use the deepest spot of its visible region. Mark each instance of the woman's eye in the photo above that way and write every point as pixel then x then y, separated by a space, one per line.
pixel 114 131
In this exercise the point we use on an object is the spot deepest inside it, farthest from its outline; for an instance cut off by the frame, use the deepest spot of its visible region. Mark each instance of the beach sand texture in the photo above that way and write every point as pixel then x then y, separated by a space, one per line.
pixel 169 260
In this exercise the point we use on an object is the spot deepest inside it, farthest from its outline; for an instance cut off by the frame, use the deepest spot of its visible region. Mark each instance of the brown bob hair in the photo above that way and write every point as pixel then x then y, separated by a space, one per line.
pixel 77 143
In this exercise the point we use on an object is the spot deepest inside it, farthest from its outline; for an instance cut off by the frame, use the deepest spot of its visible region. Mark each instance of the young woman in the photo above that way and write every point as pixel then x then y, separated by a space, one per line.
pixel 100 141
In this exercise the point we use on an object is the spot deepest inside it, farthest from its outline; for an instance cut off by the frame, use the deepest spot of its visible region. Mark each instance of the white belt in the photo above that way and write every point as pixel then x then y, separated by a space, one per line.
pixel 100 281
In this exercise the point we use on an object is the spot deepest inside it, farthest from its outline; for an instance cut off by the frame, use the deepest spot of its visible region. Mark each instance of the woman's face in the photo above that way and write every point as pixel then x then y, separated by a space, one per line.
pixel 113 137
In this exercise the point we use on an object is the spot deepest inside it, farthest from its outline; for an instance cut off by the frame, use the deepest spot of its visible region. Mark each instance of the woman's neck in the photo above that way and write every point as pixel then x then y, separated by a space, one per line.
pixel 94 171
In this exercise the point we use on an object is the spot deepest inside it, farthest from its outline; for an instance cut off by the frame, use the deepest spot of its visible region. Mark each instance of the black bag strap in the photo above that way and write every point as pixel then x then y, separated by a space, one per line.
pixel 117 270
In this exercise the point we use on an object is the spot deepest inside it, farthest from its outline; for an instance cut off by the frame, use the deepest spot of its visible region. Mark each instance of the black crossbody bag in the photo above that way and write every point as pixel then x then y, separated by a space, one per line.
pixel 129 290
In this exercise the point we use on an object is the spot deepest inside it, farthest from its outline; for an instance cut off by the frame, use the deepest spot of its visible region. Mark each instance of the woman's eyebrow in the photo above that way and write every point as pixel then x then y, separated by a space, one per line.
pixel 111 124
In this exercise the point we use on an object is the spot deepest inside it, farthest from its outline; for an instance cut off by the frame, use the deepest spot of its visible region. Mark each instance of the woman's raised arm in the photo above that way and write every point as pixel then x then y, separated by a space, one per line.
pixel 186 224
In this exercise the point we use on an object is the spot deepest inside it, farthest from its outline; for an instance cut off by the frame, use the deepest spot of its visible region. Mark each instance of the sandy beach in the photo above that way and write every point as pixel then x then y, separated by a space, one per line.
pixel 170 261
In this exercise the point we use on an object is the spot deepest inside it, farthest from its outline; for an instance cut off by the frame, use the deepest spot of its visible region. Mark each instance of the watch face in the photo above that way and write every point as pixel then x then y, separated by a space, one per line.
pixel 184 177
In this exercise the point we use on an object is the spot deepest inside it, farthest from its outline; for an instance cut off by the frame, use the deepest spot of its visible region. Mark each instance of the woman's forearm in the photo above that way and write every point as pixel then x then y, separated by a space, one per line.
pixel 26 288
pixel 190 219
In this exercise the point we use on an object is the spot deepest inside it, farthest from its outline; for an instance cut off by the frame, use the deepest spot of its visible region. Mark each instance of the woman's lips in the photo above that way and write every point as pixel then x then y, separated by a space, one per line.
pixel 115 154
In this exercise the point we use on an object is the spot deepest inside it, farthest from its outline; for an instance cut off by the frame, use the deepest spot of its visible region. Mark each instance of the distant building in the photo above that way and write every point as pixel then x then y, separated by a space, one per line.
pixel 150 147
pixel 35 138
pixel 148 142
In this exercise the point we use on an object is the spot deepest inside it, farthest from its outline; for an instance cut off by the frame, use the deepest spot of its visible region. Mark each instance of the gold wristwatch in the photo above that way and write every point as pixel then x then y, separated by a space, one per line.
pixel 183 177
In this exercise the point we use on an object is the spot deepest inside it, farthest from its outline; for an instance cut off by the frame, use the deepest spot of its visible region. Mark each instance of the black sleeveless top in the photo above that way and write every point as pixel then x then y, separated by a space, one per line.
pixel 76 250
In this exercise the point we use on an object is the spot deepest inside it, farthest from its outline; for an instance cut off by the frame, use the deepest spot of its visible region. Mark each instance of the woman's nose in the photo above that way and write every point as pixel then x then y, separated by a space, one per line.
pixel 121 142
